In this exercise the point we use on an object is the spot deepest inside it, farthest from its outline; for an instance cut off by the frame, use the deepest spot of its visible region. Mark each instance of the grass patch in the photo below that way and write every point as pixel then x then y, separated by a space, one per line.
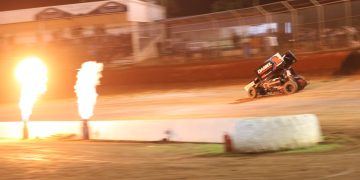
pixel 185 149
pixel 315 149
pixel 331 143
pixel 217 150
pixel 211 148
pixel 197 149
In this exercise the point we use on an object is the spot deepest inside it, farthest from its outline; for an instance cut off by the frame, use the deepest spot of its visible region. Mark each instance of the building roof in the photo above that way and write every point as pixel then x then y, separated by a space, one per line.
pixel 151 11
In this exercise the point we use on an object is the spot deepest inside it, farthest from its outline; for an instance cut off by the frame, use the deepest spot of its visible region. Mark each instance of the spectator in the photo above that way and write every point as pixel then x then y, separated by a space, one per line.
pixel 255 45
pixel 352 36
pixel 159 48
pixel 246 47
pixel 235 40
pixel 271 44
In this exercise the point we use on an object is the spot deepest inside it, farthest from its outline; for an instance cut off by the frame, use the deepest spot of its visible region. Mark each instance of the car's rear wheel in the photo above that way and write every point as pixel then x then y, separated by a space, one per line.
pixel 301 82
pixel 290 87
pixel 261 91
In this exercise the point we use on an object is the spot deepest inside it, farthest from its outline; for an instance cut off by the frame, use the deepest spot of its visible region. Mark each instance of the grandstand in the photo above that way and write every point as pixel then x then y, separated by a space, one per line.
pixel 299 25
pixel 107 31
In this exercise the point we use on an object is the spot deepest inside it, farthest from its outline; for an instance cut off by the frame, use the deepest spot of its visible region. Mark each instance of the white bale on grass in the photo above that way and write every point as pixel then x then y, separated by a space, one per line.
pixel 276 133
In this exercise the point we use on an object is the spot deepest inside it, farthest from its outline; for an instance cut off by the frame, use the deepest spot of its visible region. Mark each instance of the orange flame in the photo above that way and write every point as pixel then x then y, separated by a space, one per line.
pixel 88 78
pixel 32 75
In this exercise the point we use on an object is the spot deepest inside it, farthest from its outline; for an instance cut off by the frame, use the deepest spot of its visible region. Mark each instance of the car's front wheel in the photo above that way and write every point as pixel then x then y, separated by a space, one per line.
pixel 252 92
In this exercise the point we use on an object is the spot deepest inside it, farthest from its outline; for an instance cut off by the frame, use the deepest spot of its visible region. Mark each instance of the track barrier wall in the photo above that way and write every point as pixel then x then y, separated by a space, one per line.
pixel 248 134
pixel 308 64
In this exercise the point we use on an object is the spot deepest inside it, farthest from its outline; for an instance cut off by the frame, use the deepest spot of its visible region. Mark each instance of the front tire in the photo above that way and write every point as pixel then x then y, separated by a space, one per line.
pixel 252 92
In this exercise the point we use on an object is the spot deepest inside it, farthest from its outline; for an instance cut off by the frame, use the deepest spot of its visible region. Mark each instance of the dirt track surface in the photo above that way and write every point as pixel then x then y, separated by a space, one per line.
pixel 336 101
pixel 98 160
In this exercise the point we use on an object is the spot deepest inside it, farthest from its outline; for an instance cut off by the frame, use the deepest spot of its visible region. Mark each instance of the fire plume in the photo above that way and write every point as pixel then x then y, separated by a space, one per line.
pixel 32 75
pixel 88 78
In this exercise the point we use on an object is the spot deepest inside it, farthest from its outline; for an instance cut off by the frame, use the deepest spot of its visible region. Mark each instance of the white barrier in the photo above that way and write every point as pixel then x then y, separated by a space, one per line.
pixel 276 133
pixel 189 130
pixel 10 130
pixel 39 129
pixel 248 134
pixel 43 129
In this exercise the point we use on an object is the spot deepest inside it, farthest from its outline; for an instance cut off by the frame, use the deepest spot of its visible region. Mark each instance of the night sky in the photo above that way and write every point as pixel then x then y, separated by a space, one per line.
pixel 194 7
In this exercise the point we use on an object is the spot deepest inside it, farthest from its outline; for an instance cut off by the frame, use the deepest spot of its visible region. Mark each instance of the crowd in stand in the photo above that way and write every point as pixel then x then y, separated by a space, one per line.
pixel 106 47
pixel 306 40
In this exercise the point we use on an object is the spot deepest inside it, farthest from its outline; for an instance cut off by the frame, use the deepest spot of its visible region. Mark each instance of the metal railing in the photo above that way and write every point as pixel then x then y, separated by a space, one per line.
pixel 300 25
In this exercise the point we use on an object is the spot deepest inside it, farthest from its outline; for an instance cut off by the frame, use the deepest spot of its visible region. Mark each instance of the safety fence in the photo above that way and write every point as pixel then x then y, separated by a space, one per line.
pixel 300 26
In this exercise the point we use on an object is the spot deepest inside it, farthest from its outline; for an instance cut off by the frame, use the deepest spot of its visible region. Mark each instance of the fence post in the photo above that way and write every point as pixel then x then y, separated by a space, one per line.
pixel 215 28
pixel 348 12
pixel 321 19
pixel 294 19
pixel 135 41
pixel 268 18
pixel 265 13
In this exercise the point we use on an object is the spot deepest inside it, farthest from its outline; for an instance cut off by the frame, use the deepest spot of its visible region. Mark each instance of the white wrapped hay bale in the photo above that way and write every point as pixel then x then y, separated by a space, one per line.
pixel 276 133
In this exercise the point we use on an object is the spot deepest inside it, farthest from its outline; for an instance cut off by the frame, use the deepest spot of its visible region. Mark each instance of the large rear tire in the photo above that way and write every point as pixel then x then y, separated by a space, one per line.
pixel 302 83
pixel 252 92
pixel 290 87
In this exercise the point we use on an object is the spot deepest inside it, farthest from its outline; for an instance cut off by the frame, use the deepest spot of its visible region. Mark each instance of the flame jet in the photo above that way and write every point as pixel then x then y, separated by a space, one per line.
pixel 32 75
pixel 88 77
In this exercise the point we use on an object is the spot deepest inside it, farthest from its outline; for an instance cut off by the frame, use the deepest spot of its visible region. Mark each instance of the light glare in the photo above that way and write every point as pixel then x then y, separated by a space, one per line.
pixel 32 75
